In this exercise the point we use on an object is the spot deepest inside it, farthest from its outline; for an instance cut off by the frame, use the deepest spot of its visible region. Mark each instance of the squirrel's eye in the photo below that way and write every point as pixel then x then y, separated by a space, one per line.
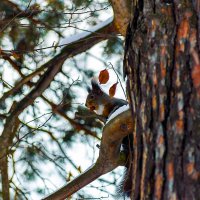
pixel 91 96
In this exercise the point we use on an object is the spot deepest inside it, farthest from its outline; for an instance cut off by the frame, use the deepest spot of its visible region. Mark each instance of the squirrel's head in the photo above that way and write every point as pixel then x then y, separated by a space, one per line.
pixel 94 98
pixel 98 101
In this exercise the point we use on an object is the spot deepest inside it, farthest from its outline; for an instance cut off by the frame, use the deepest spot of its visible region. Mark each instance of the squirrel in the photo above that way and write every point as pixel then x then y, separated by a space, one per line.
pixel 104 105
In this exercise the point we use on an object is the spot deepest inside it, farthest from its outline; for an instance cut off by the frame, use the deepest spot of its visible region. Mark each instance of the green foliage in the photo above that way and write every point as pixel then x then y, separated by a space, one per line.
pixel 68 98
pixel 113 46
pixel 68 136
pixel 82 3
pixel 29 174
pixel 40 191
pixel 30 153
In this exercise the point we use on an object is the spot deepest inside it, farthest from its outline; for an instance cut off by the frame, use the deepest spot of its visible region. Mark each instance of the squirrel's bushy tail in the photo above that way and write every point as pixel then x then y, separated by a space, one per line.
pixel 126 183
pixel 125 186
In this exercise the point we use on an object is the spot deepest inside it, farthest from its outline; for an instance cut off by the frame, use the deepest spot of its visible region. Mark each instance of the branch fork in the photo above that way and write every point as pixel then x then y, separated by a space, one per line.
pixel 109 158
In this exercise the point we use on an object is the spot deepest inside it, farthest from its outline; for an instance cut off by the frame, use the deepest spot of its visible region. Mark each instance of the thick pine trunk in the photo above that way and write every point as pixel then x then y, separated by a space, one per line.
pixel 162 64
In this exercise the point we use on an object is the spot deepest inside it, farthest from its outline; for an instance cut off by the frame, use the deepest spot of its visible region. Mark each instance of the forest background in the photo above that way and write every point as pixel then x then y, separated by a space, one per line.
pixel 49 143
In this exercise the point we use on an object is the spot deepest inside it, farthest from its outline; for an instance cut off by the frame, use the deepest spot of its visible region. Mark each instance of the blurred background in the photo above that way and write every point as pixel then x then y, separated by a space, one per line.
pixel 54 138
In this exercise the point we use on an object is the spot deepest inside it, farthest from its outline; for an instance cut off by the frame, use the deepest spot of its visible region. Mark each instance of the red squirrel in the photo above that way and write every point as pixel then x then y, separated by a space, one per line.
pixel 104 105
pixel 100 102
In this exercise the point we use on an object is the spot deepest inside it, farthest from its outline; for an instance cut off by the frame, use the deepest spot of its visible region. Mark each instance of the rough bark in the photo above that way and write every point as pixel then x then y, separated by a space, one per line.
pixel 122 14
pixel 163 70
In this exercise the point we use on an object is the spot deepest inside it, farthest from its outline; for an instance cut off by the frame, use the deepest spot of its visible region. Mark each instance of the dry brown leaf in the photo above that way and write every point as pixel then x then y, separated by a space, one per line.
pixel 112 89
pixel 103 76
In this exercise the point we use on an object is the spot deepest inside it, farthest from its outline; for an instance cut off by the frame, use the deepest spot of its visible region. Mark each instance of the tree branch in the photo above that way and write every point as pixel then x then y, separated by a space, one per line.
pixel 122 14
pixel 4 178
pixel 53 67
pixel 76 125
pixel 109 158
pixel 23 81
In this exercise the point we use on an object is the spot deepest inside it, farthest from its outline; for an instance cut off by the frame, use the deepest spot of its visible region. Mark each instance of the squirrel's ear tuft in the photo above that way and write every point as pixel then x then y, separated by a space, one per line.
pixel 95 86
pixel 89 89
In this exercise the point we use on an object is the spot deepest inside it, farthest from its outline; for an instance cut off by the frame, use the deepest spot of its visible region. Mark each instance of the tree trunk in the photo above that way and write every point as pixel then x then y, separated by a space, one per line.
pixel 163 70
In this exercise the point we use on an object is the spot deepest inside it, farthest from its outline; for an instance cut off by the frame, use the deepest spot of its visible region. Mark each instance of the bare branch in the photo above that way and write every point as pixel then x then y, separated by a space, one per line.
pixel 76 125
pixel 53 67
pixel 78 46
pixel 109 156
pixel 4 178
pixel 19 85
pixel 122 14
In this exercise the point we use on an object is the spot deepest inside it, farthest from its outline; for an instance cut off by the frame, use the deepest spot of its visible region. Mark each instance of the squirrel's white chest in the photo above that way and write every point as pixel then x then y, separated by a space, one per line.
pixel 100 110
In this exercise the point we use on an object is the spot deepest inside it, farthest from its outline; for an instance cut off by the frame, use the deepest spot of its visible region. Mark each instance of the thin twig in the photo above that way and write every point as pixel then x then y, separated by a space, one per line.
pixel 118 79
